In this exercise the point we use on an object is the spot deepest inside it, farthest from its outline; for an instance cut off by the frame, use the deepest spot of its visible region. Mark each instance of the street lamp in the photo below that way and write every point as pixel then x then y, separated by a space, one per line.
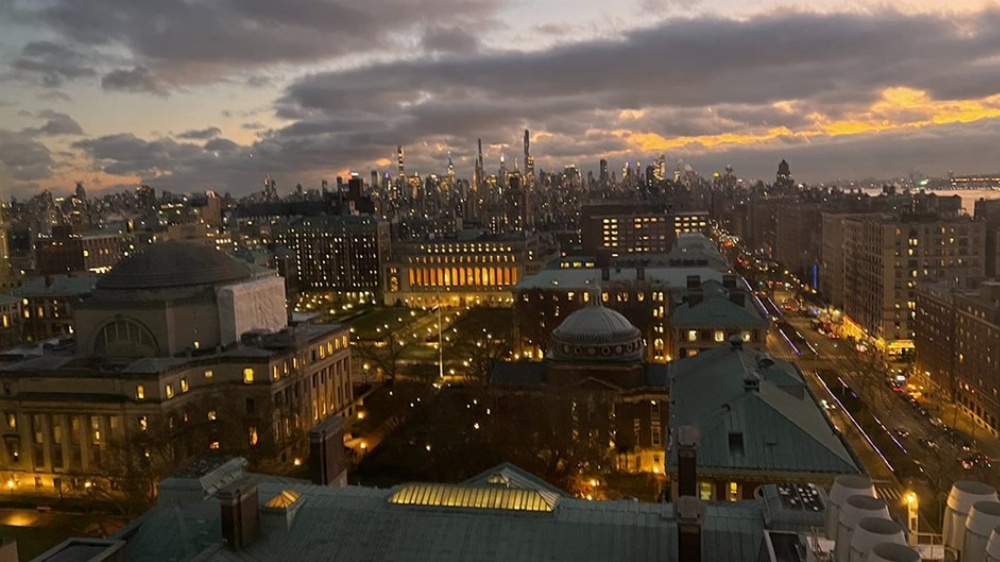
pixel 912 516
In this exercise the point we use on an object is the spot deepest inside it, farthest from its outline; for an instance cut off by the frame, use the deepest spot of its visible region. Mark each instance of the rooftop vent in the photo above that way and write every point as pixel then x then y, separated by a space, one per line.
pixel 964 494
pixel 891 552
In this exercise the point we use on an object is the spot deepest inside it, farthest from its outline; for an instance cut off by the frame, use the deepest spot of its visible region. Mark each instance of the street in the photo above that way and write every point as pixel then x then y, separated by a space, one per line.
pixel 903 443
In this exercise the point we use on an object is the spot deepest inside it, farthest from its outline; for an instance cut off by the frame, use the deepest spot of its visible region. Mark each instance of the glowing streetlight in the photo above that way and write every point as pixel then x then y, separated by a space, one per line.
pixel 913 517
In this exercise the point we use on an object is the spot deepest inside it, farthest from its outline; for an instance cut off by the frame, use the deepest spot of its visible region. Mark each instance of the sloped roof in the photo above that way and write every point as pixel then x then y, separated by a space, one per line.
pixel 588 278
pixel 355 523
pixel 716 311
pixel 782 427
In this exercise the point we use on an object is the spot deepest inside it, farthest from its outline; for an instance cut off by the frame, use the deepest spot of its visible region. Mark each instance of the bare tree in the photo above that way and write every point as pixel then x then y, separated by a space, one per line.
pixel 385 354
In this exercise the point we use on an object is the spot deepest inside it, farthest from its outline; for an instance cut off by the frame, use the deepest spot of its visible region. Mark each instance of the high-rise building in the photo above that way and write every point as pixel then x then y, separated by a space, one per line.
pixel 603 178
pixel 885 257
pixel 337 253
pixel 956 334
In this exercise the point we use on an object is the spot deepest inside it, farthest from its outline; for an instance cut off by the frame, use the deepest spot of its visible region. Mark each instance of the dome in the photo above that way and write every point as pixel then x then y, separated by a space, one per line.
pixel 597 333
pixel 174 264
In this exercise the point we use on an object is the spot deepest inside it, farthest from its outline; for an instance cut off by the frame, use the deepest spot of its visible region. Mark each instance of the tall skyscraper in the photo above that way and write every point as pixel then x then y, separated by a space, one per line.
pixel 604 178
pixel 477 182
pixel 529 162
pixel 400 166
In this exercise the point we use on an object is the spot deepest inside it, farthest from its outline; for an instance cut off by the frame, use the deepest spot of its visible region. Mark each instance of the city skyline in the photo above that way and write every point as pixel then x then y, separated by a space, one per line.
pixel 189 97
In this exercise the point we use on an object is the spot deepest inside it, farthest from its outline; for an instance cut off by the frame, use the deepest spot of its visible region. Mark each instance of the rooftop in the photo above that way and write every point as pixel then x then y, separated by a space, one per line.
pixel 733 390
pixel 579 279
pixel 174 264
pixel 483 519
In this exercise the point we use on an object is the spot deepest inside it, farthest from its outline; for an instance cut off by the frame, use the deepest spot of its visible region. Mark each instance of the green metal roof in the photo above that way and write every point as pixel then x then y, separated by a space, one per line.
pixel 780 427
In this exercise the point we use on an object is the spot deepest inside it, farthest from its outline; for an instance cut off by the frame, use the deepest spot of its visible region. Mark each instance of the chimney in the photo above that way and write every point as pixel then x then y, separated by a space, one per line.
pixel 729 281
pixel 240 513
pixel 605 274
pixel 690 513
pixel 738 298
pixel 326 453
pixel 695 296
pixel 693 282
pixel 687 461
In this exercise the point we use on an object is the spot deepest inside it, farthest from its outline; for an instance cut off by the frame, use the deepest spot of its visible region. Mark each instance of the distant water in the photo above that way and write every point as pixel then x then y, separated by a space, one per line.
pixel 969 196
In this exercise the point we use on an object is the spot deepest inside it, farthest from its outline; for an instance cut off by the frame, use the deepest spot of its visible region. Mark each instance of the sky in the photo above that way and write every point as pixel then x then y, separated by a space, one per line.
pixel 189 95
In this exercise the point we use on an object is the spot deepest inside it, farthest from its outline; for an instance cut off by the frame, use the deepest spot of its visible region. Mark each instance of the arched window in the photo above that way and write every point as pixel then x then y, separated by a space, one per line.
pixel 125 338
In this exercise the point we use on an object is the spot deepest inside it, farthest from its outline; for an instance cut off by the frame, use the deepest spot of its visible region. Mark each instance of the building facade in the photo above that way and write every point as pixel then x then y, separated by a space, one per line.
pixel 181 352
pixel 957 333
pixel 48 304
pixel 613 230
pixel 884 258
pixel 66 252
pixel 337 253
pixel 455 272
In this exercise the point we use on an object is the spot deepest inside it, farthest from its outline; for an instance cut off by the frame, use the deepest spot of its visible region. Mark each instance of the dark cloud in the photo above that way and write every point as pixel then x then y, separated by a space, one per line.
pixel 197 39
pixel 681 78
pixel 201 134
pixel 23 158
pixel 52 64
pixel 138 80
pixel 55 124
pixel 454 40
pixel 253 126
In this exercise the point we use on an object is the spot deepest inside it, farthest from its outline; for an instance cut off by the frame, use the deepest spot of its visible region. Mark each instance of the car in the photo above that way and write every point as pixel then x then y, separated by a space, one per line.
pixel 901 432
pixel 936 422
pixel 931 444
pixel 975 459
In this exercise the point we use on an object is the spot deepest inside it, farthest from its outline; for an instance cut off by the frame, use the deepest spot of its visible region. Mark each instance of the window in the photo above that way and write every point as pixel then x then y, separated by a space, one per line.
pixel 746 335
pixel 208 374
pixel 169 390
pixel 143 423
pixel 705 490
pixel 124 338
pixel 692 335
pixel 212 415
pixel 734 491
pixel 720 336
pixel 252 435
pixel 248 375
pixel 140 392
pixel 184 385
pixel 11 420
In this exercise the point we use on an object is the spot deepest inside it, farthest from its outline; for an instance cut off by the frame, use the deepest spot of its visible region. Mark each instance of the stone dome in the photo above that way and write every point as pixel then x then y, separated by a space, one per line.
pixel 596 333
pixel 174 264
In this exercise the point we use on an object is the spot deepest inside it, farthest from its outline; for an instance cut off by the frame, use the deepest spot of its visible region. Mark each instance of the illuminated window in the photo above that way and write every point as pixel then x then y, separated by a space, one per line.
pixel 734 491
pixel 208 374
pixel 11 420
pixel 746 335
pixel 184 385
pixel 169 390
pixel 705 490
pixel 143 423
pixel 720 336
pixel 140 392
pixel 248 375
pixel 252 434
pixel 692 335
pixel 212 415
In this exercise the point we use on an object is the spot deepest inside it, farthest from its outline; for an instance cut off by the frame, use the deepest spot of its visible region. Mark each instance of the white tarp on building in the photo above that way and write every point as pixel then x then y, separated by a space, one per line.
pixel 252 305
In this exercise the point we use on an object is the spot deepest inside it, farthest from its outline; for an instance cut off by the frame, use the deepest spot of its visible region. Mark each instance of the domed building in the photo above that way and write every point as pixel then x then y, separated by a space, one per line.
pixel 596 333
pixel 178 297
pixel 182 351
pixel 595 373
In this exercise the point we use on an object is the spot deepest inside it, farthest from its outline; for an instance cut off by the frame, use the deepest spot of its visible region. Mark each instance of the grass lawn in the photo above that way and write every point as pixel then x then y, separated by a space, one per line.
pixel 367 326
